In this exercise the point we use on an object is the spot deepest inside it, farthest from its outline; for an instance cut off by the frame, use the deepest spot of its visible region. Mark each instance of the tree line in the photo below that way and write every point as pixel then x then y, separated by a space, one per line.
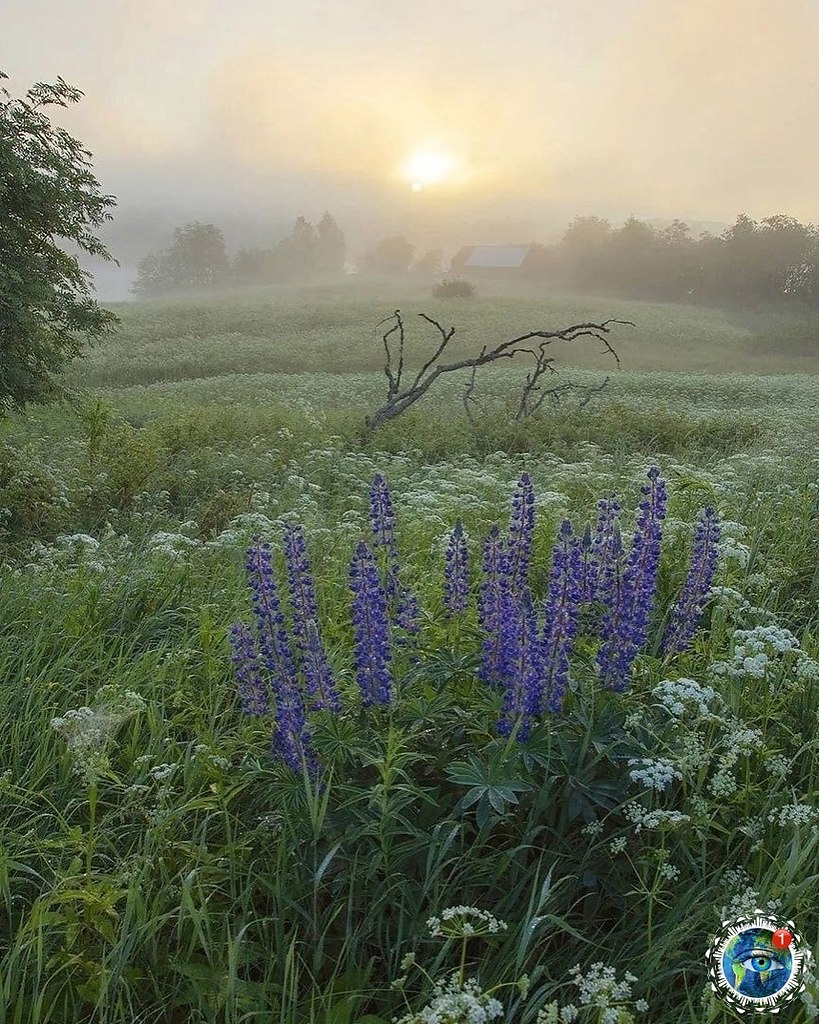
pixel 775 259
pixel 197 259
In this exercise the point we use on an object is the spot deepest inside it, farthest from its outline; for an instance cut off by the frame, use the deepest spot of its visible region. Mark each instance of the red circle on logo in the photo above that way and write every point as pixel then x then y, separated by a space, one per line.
pixel 782 938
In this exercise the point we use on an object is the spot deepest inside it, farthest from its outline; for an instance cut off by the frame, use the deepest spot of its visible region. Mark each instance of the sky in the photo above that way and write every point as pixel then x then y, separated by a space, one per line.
pixel 251 112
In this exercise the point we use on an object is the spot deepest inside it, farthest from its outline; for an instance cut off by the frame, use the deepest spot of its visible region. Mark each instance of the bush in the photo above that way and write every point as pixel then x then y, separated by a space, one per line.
pixel 455 288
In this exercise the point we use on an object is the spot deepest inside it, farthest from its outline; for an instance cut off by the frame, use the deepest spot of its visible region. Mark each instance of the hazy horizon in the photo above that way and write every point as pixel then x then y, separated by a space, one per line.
pixel 529 113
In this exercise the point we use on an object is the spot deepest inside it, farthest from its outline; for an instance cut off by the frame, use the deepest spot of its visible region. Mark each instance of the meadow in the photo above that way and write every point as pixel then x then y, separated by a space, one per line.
pixel 160 858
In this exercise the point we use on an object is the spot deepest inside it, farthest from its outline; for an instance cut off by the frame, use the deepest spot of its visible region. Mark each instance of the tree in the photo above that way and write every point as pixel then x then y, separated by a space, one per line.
pixel 48 194
pixel 331 246
pixel 197 259
pixel 296 254
pixel 431 262
pixel 393 255
pixel 152 275
pixel 583 251
pixel 254 266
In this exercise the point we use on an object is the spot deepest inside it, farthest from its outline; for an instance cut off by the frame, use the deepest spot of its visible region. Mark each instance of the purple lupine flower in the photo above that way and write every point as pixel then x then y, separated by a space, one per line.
pixel 521 530
pixel 273 641
pixel 254 691
pixel 371 628
pixel 625 625
pixel 402 603
pixel 562 615
pixel 318 675
pixel 497 611
pixel 686 613
pixel 291 739
pixel 382 515
pixel 523 682
pixel 605 552
pixel 456 572
pixel 408 611
pixel 587 567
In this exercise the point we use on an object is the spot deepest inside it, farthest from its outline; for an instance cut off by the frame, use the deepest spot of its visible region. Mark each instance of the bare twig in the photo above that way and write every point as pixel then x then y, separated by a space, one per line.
pixel 469 395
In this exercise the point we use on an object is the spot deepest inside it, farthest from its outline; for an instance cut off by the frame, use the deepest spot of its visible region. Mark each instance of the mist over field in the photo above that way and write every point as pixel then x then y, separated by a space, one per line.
pixel 409 603
pixel 251 114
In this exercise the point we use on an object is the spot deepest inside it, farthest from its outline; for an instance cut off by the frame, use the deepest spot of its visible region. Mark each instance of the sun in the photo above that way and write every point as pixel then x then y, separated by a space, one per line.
pixel 429 167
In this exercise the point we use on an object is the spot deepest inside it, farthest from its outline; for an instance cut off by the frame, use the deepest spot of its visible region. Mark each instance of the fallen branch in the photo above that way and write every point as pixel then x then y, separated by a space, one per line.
pixel 399 398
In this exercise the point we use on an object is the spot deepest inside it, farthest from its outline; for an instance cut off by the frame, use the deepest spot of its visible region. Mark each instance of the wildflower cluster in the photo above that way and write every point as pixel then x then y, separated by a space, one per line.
pixel 458 999
pixel 87 731
pixel 762 652
pixel 600 993
pixel 465 921
pixel 657 774
pixel 527 644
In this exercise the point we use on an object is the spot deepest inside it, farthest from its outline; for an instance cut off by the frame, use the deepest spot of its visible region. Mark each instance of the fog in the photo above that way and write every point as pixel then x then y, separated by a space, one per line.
pixel 250 113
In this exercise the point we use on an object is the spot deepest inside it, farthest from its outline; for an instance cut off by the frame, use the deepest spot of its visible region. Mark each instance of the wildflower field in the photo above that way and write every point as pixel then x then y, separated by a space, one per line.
pixel 455 722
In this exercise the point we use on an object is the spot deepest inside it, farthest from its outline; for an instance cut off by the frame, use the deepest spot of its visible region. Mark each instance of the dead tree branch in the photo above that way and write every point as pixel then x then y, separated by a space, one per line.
pixel 400 399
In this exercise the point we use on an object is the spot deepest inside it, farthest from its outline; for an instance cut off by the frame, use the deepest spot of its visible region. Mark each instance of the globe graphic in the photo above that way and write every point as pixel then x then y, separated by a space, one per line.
pixel 753 966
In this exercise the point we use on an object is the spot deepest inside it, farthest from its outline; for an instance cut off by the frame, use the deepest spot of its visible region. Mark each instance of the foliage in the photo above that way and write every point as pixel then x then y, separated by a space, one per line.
pixel 774 260
pixel 196 259
pixel 392 255
pixel 48 195
pixel 454 288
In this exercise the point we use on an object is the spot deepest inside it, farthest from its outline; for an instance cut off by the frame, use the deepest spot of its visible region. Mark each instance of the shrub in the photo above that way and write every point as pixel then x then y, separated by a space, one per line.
pixel 454 288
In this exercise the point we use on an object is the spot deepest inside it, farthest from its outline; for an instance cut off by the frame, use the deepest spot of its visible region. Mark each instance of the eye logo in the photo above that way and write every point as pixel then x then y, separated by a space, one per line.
pixel 756 964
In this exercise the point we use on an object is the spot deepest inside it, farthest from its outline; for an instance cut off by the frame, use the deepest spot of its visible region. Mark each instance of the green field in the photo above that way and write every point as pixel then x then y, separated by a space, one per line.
pixel 168 867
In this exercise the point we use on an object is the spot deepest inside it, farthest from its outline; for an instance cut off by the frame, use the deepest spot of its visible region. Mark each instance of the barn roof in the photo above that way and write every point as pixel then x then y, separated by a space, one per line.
pixel 496 255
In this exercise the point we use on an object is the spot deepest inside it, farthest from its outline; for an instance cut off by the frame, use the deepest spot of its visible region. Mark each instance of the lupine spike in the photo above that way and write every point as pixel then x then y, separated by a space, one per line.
pixel 523 681
pixel 521 531
pixel 605 551
pixel 273 641
pixel 402 603
pixel 562 615
pixel 254 691
pixel 497 610
pixel 456 571
pixel 625 625
pixel 318 675
pixel 291 739
pixel 371 627
pixel 687 611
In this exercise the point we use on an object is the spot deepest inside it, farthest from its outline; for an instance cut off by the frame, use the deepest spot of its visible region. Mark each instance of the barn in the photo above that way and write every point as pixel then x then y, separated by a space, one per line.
pixel 493 260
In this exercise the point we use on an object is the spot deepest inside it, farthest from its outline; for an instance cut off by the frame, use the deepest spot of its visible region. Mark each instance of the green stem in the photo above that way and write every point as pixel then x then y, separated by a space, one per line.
pixel 89 849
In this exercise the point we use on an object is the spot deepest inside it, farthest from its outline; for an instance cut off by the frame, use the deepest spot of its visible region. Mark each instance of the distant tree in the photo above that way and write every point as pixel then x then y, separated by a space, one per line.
pixel 393 255
pixel 631 258
pixel 47 194
pixel 583 251
pixel 197 259
pixel 152 275
pixel 331 246
pixel 295 255
pixel 431 262
pixel 254 266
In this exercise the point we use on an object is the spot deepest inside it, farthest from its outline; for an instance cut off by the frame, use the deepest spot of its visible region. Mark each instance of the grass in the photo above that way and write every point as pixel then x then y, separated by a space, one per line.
pixel 190 876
